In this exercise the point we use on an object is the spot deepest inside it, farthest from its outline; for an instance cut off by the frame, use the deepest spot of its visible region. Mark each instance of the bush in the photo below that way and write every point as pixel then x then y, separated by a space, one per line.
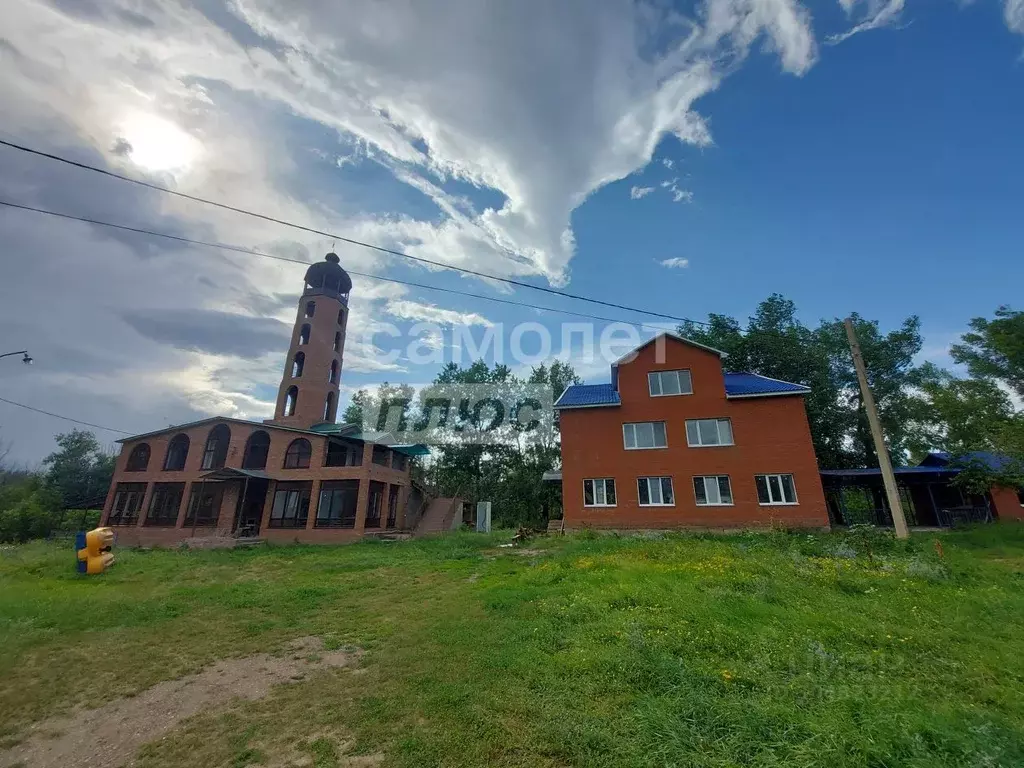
pixel 28 510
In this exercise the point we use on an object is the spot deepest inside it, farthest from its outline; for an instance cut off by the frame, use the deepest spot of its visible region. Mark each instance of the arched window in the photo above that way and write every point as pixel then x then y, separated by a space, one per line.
pixel 216 447
pixel 177 452
pixel 332 377
pixel 304 334
pixel 290 401
pixel 138 459
pixel 297 364
pixel 310 308
pixel 329 407
pixel 337 341
pixel 341 316
pixel 256 449
pixel 297 455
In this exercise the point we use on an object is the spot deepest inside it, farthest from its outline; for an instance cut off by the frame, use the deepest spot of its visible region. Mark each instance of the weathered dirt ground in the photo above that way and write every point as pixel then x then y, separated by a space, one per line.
pixel 109 736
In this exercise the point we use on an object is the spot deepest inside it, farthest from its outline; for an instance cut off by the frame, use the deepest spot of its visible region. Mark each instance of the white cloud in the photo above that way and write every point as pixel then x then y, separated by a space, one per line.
pixel 667 162
pixel 411 310
pixel 1014 14
pixel 675 263
pixel 636 193
pixel 878 14
pixel 681 195
pixel 669 183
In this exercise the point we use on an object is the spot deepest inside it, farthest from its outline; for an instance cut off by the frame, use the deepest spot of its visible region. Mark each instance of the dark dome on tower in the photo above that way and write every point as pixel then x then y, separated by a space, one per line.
pixel 327 276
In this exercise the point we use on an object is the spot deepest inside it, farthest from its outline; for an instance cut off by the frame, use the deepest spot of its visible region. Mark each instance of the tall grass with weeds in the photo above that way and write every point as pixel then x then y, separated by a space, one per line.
pixel 759 649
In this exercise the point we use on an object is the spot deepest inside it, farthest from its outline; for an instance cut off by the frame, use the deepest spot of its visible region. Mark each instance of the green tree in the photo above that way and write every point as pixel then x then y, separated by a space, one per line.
pixel 28 510
pixel 80 471
pixel 994 349
pixel 379 405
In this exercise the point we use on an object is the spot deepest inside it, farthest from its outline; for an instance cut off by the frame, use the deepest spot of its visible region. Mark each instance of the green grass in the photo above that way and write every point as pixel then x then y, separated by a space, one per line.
pixel 747 650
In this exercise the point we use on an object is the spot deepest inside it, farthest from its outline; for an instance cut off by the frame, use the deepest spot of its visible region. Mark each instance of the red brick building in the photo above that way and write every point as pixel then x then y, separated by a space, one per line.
pixel 675 441
pixel 296 477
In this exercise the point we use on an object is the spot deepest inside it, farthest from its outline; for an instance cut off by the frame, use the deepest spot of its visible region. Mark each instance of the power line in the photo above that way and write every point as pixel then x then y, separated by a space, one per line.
pixel 332 235
pixel 65 418
pixel 252 252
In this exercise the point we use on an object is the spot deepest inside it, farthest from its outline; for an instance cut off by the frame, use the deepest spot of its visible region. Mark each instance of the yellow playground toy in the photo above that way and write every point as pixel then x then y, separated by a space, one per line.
pixel 94 555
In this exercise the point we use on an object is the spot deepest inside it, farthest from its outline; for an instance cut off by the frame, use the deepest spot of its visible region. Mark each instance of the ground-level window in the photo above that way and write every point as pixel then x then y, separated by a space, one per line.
pixel 599 492
pixel 775 489
pixel 337 508
pixel 204 505
pixel 127 503
pixel 655 491
pixel 393 492
pixel 662 383
pixel 165 504
pixel 712 491
pixel 703 432
pixel 374 504
pixel 291 505
pixel 644 434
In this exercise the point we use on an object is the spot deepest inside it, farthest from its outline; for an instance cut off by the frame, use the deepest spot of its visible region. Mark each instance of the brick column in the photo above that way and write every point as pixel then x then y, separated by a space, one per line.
pixel 147 497
pixel 314 505
pixel 268 505
pixel 186 498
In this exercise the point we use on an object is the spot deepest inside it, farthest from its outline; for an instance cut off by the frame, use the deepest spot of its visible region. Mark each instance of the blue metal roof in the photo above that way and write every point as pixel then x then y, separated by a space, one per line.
pixel 869 471
pixel 751 384
pixel 588 396
pixel 992 461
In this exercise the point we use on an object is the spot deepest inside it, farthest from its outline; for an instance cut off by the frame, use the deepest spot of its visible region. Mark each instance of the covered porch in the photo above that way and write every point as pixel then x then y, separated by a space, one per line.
pixel 928 497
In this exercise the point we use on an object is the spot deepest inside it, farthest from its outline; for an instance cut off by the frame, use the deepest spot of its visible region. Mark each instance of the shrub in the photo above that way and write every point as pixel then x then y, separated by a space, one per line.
pixel 28 510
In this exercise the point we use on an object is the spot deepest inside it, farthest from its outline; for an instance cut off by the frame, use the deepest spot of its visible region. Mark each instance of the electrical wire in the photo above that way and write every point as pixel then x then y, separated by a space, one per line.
pixel 332 235
pixel 252 252
pixel 65 418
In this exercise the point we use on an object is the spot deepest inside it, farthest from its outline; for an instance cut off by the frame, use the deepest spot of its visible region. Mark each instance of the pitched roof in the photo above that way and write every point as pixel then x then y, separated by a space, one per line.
pixel 210 420
pixel 737 385
pixel 588 396
pixel 754 385
pixel 669 335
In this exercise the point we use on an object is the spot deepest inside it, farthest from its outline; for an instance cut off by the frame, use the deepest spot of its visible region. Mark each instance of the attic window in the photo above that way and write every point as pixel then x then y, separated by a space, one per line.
pixel 665 383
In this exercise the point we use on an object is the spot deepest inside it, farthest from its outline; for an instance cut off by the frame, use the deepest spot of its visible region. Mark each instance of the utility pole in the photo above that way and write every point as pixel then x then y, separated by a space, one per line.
pixel 895 506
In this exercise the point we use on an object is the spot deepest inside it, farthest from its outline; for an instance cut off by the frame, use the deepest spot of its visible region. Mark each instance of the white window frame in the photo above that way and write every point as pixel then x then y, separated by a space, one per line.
pixel 660 487
pixel 653 376
pixel 604 491
pixel 631 427
pixel 718 427
pixel 768 485
pixel 716 484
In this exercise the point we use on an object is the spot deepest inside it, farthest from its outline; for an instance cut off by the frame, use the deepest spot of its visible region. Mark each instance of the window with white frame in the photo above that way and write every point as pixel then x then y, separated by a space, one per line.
pixel 599 492
pixel 644 434
pixel 775 489
pixel 663 383
pixel 655 491
pixel 705 432
pixel 712 491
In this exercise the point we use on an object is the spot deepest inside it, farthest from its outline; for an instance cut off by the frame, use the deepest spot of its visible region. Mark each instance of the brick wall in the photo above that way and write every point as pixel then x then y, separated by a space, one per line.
pixel 771 435
pixel 1007 504
pixel 150 535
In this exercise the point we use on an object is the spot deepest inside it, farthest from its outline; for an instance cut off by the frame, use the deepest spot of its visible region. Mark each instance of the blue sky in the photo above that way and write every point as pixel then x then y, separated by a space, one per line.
pixel 857 155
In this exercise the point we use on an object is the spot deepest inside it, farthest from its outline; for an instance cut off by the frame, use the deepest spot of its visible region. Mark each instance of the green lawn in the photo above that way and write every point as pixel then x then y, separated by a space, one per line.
pixel 747 650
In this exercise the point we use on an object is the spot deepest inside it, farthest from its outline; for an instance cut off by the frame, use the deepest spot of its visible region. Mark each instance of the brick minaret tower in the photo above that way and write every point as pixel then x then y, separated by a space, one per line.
pixel 309 389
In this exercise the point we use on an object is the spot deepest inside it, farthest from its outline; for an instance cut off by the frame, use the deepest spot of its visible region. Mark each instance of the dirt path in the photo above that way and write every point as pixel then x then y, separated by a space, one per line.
pixel 109 736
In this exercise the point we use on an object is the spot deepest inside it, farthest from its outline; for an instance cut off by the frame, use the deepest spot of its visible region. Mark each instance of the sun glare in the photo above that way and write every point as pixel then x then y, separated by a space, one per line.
pixel 158 144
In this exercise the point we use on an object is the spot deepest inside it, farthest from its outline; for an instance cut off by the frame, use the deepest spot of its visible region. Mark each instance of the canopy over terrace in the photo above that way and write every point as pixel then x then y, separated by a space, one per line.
pixel 857 496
